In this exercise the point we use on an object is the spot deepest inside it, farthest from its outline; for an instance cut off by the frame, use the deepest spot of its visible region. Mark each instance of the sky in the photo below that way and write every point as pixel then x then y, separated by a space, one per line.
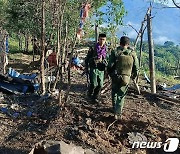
pixel 165 22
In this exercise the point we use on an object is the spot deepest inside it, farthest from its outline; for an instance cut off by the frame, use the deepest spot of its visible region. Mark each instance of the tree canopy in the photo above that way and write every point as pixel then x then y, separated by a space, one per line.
pixel 24 16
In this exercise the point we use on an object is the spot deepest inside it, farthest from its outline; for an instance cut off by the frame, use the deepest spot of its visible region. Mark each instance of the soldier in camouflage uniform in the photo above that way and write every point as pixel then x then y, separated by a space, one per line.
pixel 95 64
pixel 122 65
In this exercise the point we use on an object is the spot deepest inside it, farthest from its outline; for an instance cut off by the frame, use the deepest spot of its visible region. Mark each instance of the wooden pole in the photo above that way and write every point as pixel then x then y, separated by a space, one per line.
pixel 64 46
pixel 33 42
pixel 69 69
pixel 140 55
pixel 141 29
pixel 151 53
pixel 59 39
pixel 96 32
pixel 43 48
pixel 178 69
pixel 141 42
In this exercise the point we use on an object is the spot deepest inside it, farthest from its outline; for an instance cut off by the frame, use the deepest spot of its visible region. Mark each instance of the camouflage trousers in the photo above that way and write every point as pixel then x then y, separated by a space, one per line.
pixel 118 94
pixel 96 82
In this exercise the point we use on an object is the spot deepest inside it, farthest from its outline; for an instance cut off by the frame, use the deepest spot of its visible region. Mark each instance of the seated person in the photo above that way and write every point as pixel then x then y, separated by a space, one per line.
pixel 76 62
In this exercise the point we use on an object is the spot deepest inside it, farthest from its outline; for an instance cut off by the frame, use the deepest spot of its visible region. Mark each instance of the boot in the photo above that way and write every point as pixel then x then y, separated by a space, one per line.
pixel 90 91
pixel 117 117
pixel 97 91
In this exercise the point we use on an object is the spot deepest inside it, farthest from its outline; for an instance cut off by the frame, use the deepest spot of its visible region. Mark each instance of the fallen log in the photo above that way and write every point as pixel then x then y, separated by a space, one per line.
pixel 158 96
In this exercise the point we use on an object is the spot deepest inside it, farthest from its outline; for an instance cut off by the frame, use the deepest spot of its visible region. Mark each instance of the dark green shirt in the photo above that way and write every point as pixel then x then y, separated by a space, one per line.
pixel 113 58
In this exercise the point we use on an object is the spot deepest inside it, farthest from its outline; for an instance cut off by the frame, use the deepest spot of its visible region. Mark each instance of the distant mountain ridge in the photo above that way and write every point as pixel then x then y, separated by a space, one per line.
pixel 165 22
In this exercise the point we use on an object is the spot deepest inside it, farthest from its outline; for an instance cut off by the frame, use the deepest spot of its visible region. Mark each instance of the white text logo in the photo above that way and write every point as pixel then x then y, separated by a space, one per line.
pixel 170 145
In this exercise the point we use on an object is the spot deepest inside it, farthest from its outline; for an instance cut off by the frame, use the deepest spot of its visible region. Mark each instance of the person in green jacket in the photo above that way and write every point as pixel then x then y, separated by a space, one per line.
pixel 122 65
pixel 95 64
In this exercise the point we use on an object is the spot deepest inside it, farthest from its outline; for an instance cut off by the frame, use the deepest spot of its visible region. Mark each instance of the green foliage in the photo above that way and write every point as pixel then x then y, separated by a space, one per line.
pixel 13 45
pixel 115 12
pixel 112 16
pixel 163 78
pixel 2 12
pixel 23 16
pixel 167 58
pixel 168 43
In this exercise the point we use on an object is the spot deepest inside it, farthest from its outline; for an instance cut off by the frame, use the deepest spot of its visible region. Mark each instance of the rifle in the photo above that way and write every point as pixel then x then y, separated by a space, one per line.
pixel 137 86
pixel 85 72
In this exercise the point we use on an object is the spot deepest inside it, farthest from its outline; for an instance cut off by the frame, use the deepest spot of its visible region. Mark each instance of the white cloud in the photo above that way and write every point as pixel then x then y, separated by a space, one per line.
pixel 170 3
pixel 165 2
pixel 134 25
pixel 129 30
pixel 161 39
pixel 104 25
pixel 132 34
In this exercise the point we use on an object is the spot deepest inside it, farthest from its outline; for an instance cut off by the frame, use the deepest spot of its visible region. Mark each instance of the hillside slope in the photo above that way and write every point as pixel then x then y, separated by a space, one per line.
pixel 84 123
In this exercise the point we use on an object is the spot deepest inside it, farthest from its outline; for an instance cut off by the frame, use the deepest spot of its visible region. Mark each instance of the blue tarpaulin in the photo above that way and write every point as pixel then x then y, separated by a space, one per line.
pixel 76 61
pixel 14 73
pixel 175 87
pixel 18 83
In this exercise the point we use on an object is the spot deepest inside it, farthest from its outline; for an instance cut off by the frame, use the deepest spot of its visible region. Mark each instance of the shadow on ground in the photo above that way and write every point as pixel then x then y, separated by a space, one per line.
pixel 4 150
pixel 34 116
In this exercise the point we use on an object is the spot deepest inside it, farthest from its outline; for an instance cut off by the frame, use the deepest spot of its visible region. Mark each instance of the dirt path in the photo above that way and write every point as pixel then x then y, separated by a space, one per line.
pixel 84 123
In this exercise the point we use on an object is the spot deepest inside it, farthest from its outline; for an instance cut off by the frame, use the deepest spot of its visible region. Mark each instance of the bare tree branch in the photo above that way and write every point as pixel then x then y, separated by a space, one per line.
pixel 176 4
pixel 133 28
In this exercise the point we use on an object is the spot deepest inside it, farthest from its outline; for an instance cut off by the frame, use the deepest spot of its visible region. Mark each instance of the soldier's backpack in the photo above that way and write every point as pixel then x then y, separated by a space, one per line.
pixel 124 65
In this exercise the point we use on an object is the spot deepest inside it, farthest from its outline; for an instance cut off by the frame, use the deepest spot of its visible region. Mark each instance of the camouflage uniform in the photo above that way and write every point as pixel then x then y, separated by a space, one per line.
pixel 96 69
pixel 121 80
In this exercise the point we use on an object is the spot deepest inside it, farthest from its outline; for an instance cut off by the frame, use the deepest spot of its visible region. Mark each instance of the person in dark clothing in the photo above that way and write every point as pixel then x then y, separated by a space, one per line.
pixel 122 65
pixel 95 64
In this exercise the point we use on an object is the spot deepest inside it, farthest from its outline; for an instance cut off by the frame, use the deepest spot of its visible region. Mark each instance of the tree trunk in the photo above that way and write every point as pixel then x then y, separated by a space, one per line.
pixel 96 33
pixel 26 42
pixel 141 29
pixel 60 22
pixel 20 41
pixel 141 46
pixel 58 50
pixel 59 33
pixel 178 68
pixel 64 47
pixel 43 47
pixel 151 53
pixel 140 55
pixel 33 44
pixel 69 69
pixel 61 66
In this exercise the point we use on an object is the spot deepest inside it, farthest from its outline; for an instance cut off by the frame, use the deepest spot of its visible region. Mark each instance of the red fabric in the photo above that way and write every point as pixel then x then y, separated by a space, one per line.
pixel 79 33
pixel 52 59
pixel 83 15
pixel 86 10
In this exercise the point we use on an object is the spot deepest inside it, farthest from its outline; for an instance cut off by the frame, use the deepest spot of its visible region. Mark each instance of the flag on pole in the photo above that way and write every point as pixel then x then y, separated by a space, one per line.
pixel 84 12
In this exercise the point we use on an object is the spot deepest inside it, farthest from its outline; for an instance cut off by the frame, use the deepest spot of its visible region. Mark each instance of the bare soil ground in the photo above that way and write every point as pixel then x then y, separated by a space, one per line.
pixel 84 123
